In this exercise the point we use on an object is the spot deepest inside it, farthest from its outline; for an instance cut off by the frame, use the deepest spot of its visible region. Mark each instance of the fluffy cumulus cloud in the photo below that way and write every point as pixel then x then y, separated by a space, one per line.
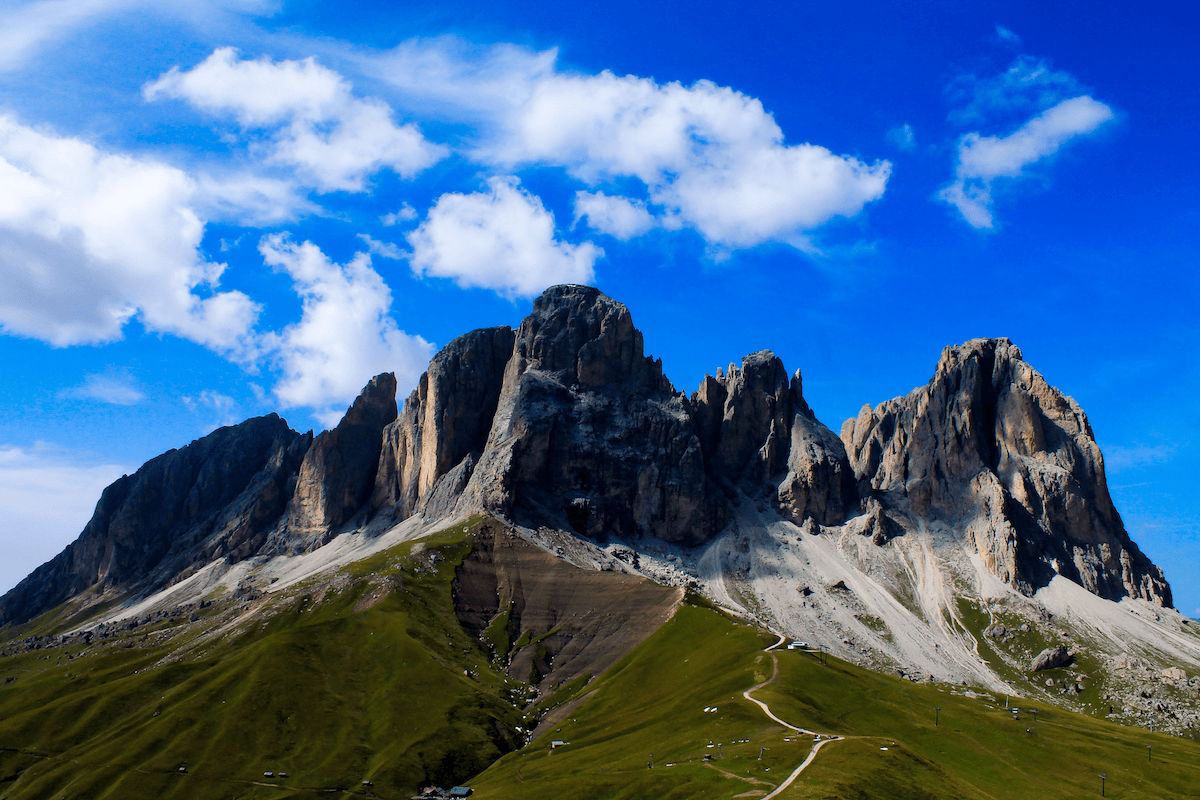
pixel 345 335
pixel 984 159
pixel 316 125
pixel 710 157
pixel 619 217
pixel 89 239
pixel 48 494
pixel 501 239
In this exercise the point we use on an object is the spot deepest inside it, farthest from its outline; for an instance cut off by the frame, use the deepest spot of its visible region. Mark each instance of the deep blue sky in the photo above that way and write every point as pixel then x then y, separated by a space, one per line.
pixel 778 175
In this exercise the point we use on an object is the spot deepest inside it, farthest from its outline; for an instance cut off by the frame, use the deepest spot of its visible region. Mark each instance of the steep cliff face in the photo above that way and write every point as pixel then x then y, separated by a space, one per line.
pixel 445 421
pixel 589 433
pixel 216 497
pixel 566 423
pixel 759 435
pixel 338 472
pixel 990 445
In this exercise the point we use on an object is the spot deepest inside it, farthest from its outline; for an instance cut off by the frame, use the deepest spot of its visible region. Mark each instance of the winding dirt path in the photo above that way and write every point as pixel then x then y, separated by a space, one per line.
pixel 812 754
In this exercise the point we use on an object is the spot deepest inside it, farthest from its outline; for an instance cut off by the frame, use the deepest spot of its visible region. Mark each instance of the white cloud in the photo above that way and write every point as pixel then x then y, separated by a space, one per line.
pixel 333 139
pixel 112 386
pixel 711 156
pixel 385 249
pixel 89 239
pixel 983 159
pixel 226 409
pixel 452 79
pixel 1006 36
pixel 1027 86
pixel 619 217
pixel 406 213
pixel 345 335
pixel 1119 458
pixel 26 27
pixel 249 199
pixel 500 239
pixel 903 136
pixel 48 494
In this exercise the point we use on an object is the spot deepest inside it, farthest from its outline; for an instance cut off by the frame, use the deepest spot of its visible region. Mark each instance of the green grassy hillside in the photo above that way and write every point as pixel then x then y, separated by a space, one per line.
pixel 653 703
pixel 368 675
pixel 336 683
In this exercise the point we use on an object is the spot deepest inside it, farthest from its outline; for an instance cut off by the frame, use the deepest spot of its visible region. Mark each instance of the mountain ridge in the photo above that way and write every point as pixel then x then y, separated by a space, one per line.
pixel 984 487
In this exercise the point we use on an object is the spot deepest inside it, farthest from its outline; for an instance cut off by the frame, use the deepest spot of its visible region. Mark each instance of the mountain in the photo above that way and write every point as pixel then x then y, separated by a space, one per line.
pixel 960 533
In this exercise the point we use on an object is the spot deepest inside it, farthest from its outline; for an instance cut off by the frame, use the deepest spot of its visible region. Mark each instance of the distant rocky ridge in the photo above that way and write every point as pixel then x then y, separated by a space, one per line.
pixel 566 423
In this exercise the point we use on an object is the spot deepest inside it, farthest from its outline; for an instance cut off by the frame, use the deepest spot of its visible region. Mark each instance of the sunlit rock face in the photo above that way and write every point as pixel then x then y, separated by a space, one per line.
pixel 338 472
pixel 988 444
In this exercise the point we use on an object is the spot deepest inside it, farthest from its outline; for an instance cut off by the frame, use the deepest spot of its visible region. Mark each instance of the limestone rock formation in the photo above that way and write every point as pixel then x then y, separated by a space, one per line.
pixel 445 421
pixel 589 434
pixel 566 423
pixel 338 472
pixel 758 434
pixel 990 445
pixel 218 496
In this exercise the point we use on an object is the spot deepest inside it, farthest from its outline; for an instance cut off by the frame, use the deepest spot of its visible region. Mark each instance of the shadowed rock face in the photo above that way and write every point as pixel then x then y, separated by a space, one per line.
pixel 589 434
pixel 216 497
pixel 338 473
pixel 445 421
pixel 988 443
pixel 759 435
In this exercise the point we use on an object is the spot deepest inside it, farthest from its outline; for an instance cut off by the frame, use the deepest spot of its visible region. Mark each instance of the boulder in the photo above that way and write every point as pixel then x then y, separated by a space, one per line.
pixel 1051 658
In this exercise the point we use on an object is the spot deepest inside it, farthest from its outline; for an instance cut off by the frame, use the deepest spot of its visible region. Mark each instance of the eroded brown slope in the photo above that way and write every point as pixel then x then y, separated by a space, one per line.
pixel 563 621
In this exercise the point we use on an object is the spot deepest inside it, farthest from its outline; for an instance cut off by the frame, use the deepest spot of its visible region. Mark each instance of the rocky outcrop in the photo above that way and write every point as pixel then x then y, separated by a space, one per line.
pixel 1051 658
pixel 759 435
pixel 216 497
pixel 338 473
pixel 445 421
pixel 588 434
pixel 989 445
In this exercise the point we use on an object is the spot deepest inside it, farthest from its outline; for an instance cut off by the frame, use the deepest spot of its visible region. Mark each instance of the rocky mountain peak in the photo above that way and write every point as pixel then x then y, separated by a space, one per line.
pixel 989 445
pixel 215 498
pixel 584 338
pixel 566 424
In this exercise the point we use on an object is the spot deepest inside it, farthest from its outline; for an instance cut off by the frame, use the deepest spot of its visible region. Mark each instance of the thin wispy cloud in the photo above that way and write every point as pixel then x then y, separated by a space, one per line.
pixel 115 387
pixel 1006 36
pixel 48 494
pixel 1119 458
pixel 986 163
pixel 903 137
